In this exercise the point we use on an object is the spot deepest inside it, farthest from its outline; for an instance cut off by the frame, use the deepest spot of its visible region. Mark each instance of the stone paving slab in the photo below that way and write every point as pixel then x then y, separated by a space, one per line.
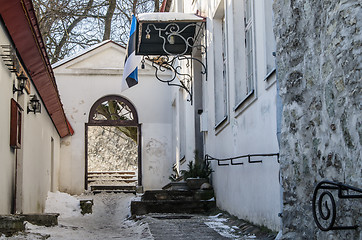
pixel 180 227
pixel 168 226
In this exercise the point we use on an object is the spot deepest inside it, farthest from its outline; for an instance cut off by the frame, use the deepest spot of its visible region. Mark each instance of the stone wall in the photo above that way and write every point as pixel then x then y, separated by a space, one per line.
pixel 319 62
pixel 110 150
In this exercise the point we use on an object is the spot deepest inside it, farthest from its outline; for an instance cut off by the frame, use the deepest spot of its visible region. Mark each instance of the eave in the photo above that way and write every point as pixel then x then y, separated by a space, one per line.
pixel 21 23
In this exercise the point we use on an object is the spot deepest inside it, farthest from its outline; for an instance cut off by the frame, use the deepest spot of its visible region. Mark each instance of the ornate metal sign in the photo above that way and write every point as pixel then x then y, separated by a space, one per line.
pixel 170 45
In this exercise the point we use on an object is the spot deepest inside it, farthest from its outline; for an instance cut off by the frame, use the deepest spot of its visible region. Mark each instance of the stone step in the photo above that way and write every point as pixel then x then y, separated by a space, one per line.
pixel 141 207
pixel 133 173
pixel 114 191
pixel 112 180
pixel 42 219
pixel 111 176
pixel 153 195
pixel 173 201
pixel 184 195
pixel 10 224
pixel 113 188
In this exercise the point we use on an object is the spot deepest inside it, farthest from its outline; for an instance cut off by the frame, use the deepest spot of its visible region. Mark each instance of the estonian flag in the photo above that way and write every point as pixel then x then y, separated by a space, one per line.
pixel 130 72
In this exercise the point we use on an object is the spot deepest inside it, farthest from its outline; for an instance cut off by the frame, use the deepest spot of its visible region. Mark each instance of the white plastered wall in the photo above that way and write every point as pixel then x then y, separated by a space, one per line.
pixel 86 78
pixel 33 159
pixel 249 191
pixel 7 159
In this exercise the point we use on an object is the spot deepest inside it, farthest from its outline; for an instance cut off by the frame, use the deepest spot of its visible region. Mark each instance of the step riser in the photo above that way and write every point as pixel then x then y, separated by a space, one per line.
pixel 113 188
pixel 154 195
pixel 112 180
pixel 115 177
pixel 96 192
pixel 145 207
pixel 112 173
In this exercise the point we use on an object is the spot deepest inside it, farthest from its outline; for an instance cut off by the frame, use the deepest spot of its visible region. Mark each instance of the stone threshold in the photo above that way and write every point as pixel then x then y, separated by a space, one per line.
pixel 13 223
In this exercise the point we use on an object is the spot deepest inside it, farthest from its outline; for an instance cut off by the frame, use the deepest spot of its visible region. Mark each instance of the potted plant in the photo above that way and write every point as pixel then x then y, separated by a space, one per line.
pixel 197 173
pixel 176 182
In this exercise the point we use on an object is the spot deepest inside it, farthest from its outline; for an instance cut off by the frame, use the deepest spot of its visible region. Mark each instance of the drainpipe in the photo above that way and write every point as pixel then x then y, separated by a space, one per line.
pixel 279 126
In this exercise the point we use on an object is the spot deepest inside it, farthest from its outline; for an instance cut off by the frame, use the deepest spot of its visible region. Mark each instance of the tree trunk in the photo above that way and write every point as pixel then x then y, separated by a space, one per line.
pixel 134 5
pixel 108 19
pixel 157 5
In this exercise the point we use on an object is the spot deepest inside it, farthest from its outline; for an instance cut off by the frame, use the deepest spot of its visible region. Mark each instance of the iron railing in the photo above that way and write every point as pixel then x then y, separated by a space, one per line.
pixel 324 207
pixel 236 160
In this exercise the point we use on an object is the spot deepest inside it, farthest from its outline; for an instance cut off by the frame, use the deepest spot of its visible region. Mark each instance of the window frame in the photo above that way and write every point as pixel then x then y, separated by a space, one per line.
pixel 16 117
pixel 270 45
pixel 221 51
pixel 248 86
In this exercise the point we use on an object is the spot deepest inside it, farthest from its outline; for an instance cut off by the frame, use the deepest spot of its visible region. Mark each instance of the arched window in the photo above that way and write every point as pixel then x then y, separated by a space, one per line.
pixel 113 111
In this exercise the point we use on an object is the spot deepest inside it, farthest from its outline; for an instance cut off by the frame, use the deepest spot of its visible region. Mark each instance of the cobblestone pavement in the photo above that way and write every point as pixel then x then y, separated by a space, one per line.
pixel 167 227
pixel 201 227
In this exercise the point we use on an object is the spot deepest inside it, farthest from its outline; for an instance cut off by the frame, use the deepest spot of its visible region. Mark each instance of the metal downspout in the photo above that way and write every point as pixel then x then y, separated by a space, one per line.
pixel 279 114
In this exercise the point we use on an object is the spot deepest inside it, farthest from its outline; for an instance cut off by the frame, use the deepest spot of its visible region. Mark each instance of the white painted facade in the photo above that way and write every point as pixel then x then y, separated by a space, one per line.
pixel 28 173
pixel 239 116
pixel 97 72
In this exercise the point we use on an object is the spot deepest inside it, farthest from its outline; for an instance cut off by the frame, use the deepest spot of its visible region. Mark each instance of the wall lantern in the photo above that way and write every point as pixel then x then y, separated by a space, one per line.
pixel 34 105
pixel 22 79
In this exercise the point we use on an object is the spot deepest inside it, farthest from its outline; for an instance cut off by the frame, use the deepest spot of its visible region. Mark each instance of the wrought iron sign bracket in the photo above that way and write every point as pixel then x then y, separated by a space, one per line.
pixel 170 47
pixel 324 205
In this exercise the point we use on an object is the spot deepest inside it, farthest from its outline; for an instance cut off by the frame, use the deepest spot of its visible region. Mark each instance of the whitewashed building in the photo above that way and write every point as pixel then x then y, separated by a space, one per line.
pixel 32 118
pixel 233 113
pixel 87 79
pixel 227 112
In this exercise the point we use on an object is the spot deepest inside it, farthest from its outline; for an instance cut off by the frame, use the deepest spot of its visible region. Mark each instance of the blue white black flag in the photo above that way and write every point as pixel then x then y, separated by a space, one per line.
pixel 130 72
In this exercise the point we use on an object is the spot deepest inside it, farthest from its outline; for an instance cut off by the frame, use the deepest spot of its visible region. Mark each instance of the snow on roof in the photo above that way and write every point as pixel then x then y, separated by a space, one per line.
pixel 169 16
pixel 80 53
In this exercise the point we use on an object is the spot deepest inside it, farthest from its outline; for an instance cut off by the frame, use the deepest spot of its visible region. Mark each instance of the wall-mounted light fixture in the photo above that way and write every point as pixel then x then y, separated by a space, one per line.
pixel 21 83
pixel 34 105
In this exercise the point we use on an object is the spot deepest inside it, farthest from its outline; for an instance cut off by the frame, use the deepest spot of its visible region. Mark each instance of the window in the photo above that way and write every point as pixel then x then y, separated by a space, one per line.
pixel 15 124
pixel 244 53
pixel 182 124
pixel 269 39
pixel 249 48
pixel 220 67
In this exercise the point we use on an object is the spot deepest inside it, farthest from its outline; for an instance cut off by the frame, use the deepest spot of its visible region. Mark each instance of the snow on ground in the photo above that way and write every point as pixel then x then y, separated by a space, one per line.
pixel 217 223
pixel 109 219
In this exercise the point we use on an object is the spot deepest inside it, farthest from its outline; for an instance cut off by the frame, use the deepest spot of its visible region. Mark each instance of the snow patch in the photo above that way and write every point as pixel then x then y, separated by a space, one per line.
pixel 109 219
pixel 62 203
pixel 169 17
pixel 216 223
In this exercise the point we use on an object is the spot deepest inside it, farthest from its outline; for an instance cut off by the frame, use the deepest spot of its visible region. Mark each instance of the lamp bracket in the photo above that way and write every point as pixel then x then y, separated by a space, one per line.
pixel 179 41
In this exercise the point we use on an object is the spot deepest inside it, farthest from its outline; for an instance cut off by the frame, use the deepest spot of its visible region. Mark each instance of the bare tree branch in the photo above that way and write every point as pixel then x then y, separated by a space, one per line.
pixel 69 26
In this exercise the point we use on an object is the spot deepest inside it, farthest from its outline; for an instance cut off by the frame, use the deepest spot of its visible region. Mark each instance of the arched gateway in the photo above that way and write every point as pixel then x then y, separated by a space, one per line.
pixel 115 111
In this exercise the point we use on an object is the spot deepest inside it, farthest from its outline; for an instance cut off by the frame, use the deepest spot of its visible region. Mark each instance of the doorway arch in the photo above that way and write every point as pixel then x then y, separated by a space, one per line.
pixel 114 110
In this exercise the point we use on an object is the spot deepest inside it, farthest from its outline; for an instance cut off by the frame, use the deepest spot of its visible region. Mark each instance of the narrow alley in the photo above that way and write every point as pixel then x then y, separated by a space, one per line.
pixel 180 119
pixel 111 220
